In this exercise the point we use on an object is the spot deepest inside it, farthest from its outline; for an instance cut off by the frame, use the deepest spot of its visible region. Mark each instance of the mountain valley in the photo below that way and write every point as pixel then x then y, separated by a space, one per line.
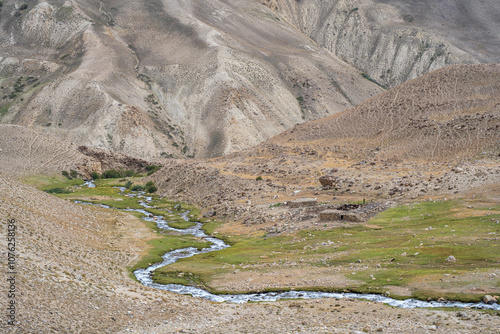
pixel 341 146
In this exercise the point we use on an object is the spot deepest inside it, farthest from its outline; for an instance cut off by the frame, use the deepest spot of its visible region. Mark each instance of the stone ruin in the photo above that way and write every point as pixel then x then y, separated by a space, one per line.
pixel 301 202
pixel 339 215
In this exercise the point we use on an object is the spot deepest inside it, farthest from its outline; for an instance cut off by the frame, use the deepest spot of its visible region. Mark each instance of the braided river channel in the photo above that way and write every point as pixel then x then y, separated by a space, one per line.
pixel 144 275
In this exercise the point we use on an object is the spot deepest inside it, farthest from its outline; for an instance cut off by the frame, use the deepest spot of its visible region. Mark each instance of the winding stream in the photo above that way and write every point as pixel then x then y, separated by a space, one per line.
pixel 144 275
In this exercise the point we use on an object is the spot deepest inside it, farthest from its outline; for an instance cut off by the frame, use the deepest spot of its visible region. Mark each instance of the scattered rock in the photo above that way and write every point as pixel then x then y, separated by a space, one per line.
pixel 488 299
pixel 451 258
pixel 209 214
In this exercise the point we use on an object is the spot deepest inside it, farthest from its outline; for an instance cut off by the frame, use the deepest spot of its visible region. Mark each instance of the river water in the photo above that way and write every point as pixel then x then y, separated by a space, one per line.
pixel 144 275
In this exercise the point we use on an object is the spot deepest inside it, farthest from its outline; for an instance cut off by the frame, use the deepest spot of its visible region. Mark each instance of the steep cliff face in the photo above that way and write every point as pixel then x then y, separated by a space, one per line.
pixel 393 41
pixel 165 78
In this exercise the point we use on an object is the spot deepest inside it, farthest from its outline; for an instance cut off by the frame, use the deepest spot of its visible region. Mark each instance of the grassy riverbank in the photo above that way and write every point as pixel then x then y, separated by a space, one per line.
pixel 402 252
pixel 107 193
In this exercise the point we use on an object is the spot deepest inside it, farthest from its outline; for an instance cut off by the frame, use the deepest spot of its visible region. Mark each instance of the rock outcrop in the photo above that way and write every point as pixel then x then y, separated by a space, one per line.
pixel 394 41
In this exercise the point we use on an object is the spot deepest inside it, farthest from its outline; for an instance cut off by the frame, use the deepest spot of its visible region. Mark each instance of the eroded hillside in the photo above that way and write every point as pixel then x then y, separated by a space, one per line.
pixel 394 41
pixel 451 113
pixel 165 78
pixel 433 136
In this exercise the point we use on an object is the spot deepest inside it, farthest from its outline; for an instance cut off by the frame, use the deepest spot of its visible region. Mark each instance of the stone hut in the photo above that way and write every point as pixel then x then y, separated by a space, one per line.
pixel 338 215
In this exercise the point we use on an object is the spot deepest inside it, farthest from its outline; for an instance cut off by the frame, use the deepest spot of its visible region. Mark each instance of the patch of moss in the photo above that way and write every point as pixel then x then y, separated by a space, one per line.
pixel 181 224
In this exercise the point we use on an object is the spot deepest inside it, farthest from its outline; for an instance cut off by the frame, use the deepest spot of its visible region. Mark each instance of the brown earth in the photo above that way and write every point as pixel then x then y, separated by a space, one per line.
pixel 207 78
pixel 410 144
pixel 72 266
pixel 26 152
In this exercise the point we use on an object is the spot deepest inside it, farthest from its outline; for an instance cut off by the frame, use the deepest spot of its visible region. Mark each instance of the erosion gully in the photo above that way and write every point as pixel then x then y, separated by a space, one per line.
pixel 144 275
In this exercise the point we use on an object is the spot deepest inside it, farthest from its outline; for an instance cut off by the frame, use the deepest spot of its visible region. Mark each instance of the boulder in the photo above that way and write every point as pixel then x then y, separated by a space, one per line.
pixel 209 214
pixel 328 181
pixel 488 299
pixel 451 258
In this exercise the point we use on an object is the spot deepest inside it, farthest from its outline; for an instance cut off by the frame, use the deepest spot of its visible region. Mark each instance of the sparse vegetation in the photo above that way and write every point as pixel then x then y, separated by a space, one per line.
pixel 138 187
pixel 46 182
pixel 408 18
pixel 367 77
pixel 181 224
pixel 112 174
pixel 165 244
pixel 73 173
pixel 151 187
pixel 152 169
pixel 402 230
pixel 161 245
pixel 57 191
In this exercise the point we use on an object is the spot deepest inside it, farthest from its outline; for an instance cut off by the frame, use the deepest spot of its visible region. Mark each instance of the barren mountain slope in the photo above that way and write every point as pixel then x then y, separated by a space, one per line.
pixel 70 264
pixel 421 130
pixel 451 113
pixel 162 78
pixel 428 143
pixel 395 40
pixel 26 152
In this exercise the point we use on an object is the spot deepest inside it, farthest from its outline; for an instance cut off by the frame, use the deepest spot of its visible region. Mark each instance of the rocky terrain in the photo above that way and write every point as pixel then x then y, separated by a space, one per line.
pixel 432 139
pixel 72 278
pixel 418 138
pixel 72 268
pixel 394 41
pixel 314 175
pixel 165 78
